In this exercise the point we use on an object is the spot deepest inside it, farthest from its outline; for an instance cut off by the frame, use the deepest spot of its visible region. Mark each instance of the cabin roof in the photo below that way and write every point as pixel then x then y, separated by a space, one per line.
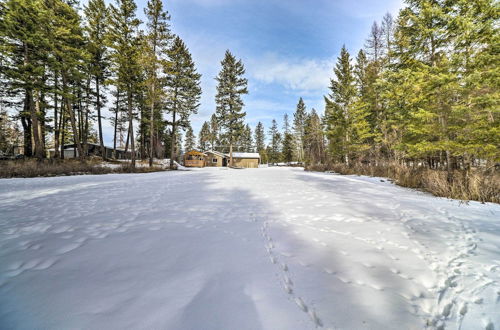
pixel 252 155
pixel 220 154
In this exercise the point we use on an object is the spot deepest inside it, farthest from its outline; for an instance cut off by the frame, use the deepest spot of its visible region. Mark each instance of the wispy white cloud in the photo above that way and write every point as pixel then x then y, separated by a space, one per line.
pixel 296 74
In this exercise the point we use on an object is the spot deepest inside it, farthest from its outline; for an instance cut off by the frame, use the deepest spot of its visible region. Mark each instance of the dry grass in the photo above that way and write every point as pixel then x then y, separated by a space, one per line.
pixel 28 168
pixel 478 185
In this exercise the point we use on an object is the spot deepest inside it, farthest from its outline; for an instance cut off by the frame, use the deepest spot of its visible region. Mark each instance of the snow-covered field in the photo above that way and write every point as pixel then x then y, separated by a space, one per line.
pixel 268 248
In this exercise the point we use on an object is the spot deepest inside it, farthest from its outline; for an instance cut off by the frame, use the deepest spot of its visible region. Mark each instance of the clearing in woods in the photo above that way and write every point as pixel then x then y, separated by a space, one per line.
pixel 269 248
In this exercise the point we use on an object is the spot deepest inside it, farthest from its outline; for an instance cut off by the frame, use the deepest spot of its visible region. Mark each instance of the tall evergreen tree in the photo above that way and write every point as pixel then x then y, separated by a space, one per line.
pixel 338 106
pixel 231 86
pixel 204 137
pixel 260 138
pixel 157 41
pixel 314 139
pixel 246 141
pixel 25 43
pixel 69 56
pixel 286 123
pixel 125 43
pixel 288 147
pixel 214 131
pixel 274 152
pixel 299 118
pixel 288 141
pixel 96 16
pixel 347 127
pixel 189 141
pixel 183 88
pixel 260 142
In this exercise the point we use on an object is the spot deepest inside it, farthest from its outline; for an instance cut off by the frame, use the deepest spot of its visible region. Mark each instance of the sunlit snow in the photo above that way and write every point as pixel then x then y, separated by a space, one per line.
pixel 268 248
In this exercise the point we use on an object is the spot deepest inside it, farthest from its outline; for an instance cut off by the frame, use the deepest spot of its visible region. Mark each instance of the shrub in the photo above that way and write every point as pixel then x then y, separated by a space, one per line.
pixel 27 168
pixel 476 184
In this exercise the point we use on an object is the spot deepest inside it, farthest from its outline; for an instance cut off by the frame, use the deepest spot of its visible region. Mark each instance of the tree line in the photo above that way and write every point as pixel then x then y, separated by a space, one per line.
pixel 423 92
pixel 59 65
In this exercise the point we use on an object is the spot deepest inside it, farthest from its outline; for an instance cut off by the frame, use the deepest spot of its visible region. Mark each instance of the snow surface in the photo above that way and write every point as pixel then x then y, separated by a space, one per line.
pixel 268 248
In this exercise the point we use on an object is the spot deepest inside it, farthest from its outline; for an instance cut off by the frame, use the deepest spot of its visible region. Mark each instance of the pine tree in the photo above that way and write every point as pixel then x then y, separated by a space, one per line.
pixel 25 43
pixel 274 148
pixel 189 141
pixel 125 41
pixel 214 131
pixel 246 141
pixel 286 123
pixel 69 56
pixel 475 36
pixel 231 86
pixel 368 98
pixel 260 138
pixel 157 42
pixel 338 107
pixel 288 141
pixel 288 147
pixel 96 14
pixel 299 118
pixel 183 89
pixel 314 139
pixel 204 137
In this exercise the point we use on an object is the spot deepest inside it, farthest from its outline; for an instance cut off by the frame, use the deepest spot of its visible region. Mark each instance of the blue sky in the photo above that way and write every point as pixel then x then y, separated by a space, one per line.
pixel 288 47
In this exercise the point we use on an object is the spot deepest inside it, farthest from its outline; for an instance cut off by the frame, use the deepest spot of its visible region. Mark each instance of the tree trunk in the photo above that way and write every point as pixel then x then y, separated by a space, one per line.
pixel 26 122
pixel 86 120
pixel 151 127
pixel 42 123
pixel 56 120
pixel 99 118
pixel 72 119
pixel 172 142
pixel 173 134
pixel 231 153
pixel 131 126
pixel 127 139
pixel 35 122
pixel 63 128
pixel 116 121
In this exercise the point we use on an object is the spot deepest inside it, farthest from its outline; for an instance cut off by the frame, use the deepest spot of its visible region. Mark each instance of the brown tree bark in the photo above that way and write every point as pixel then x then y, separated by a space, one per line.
pixel 172 141
pixel 56 120
pixel 99 119
pixel 131 126
pixel 71 113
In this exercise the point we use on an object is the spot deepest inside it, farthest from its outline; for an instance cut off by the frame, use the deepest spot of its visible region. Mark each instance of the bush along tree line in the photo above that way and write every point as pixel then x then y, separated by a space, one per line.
pixel 59 69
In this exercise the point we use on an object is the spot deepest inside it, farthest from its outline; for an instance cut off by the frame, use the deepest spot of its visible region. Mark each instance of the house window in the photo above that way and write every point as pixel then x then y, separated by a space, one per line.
pixel 214 160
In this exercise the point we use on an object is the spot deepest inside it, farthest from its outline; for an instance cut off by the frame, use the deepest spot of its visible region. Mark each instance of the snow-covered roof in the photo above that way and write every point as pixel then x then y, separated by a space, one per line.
pixel 246 155
pixel 220 154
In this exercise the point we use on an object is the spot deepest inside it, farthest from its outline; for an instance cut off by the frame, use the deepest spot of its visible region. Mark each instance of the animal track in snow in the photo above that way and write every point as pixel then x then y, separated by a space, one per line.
pixel 286 280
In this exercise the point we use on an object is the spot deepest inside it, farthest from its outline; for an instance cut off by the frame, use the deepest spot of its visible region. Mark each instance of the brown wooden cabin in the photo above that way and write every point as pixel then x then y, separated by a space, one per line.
pixel 194 158
pixel 246 159
pixel 216 159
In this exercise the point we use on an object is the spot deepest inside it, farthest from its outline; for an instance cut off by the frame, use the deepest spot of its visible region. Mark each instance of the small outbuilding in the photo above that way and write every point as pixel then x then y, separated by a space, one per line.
pixel 246 159
pixel 194 158
pixel 215 159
